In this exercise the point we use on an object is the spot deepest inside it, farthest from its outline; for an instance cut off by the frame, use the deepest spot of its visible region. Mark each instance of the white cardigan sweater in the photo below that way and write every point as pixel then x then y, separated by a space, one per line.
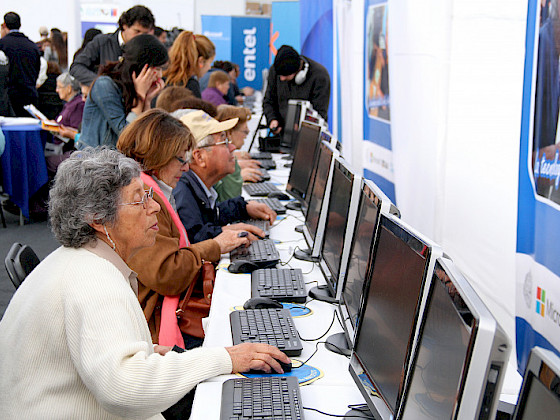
pixel 74 343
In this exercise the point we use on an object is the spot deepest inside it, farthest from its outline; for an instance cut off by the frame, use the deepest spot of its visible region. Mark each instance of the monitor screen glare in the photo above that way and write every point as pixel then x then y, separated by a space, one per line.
pixel 304 160
pixel 362 242
pixel 443 347
pixel 383 341
pixel 318 190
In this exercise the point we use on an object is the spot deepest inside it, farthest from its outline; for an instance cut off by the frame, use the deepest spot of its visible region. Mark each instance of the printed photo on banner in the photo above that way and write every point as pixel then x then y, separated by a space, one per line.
pixel 546 136
pixel 377 69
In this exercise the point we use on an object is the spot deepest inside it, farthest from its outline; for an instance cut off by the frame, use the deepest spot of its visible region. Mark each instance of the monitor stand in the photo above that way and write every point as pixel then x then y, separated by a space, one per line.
pixel 365 413
pixel 288 165
pixel 322 293
pixel 294 205
pixel 305 255
pixel 299 228
pixel 338 344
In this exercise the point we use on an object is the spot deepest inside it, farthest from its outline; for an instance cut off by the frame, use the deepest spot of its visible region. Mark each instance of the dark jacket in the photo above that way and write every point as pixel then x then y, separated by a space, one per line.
pixel 24 63
pixel 103 49
pixel 201 221
pixel 316 89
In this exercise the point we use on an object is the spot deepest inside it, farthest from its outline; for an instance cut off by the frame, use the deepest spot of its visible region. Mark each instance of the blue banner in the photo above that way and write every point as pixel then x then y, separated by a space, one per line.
pixel 218 30
pixel 317 36
pixel 285 27
pixel 537 319
pixel 378 157
pixel 249 40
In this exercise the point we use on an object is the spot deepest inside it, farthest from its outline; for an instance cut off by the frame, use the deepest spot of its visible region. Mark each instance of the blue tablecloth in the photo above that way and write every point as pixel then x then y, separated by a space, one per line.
pixel 24 168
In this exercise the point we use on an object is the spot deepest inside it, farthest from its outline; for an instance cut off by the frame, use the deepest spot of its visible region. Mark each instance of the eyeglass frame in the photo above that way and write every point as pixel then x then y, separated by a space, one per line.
pixel 148 194
pixel 226 142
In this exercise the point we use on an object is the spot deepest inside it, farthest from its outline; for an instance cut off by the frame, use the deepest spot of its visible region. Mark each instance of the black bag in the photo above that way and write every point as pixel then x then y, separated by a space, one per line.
pixel 270 143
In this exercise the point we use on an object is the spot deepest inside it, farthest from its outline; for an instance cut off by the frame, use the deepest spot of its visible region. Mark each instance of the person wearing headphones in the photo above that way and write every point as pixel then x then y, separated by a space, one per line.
pixel 294 76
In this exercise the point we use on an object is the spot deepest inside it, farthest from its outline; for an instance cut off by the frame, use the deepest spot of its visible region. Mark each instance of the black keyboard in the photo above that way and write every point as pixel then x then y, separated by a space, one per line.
pixel 274 204
pixel 264 225
pixel 268 164
pixel 262 253
pixel 261 398
pixel 261 189
pixel 265 176
pixel 272 326
pixel 281 284
pixel 261 155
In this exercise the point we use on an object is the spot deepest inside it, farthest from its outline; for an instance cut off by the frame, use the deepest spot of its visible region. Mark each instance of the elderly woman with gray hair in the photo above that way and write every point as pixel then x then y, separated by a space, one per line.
pixel 68 90
pixel 75 342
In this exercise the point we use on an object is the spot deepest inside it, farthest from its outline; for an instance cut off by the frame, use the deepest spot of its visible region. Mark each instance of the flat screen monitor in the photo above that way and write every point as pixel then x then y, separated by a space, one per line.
pixel 304 160
pixel 540 393
pixel 314 226
pixel 341 217
pixel 460 357
pixel 327 138
pixel 291 125
pixel 372 203
pixel 393 297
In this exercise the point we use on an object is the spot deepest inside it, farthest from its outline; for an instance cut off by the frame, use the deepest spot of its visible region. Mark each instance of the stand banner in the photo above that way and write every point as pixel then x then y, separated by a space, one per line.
pixel 378 156
pixel 537 320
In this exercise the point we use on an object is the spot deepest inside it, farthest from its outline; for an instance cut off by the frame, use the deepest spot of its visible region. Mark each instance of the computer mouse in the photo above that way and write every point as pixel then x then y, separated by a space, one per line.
pixel 286 367
pixel 241 266
pixel 261 303
pixel 279 195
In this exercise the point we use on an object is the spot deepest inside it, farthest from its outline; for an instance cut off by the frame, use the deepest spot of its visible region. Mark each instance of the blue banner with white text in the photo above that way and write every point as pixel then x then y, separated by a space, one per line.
pixel 537 312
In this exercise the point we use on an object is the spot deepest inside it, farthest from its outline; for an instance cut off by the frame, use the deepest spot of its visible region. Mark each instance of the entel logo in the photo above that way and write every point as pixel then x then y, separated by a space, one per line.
pixel 250 53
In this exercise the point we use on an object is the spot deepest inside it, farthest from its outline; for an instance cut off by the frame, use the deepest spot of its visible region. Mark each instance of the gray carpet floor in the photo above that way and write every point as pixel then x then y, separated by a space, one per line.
pixel 36 235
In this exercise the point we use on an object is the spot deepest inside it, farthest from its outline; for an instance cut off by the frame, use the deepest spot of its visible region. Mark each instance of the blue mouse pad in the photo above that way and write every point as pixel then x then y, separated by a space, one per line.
pixel 297 311
pixel 305 374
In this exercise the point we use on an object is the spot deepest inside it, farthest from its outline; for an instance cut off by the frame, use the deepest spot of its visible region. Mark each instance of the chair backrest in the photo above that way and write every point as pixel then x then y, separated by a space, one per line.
pixel 20 261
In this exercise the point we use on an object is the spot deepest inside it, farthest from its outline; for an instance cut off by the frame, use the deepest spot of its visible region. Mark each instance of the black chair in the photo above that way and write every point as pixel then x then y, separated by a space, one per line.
pixel 20 261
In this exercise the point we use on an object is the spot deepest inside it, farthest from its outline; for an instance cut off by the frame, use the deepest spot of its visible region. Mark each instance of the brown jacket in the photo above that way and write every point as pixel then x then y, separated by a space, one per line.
pixel 167 269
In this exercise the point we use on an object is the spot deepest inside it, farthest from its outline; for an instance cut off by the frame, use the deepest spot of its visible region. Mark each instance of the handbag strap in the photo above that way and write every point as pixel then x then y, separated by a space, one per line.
pixel 208 272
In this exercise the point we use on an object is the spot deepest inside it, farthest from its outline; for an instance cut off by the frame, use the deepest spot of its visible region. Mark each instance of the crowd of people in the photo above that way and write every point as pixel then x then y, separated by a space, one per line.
pixel 152 194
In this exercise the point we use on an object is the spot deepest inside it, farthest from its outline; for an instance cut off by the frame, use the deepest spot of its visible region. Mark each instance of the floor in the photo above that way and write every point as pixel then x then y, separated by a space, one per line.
pixel 37 235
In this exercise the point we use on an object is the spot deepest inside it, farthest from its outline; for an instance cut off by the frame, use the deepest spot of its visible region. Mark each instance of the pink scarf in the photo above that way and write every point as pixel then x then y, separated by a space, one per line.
pixel 169 332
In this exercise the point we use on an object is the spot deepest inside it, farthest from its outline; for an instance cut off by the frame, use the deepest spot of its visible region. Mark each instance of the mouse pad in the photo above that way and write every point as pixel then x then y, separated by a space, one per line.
pixel 305 374
pixel 297 311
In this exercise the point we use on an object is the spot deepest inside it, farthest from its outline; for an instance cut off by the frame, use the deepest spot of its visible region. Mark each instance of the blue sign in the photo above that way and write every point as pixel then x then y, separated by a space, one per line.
pixel 285 28
pixel 249 40
pixel 218 30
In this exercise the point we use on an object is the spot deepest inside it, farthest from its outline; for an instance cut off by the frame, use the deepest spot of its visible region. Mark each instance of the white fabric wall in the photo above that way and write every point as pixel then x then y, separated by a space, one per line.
pixel 455 74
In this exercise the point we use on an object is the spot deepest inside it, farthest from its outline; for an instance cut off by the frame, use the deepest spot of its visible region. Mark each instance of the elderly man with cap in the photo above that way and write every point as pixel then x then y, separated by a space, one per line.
pixel 293 76
pixel 211 160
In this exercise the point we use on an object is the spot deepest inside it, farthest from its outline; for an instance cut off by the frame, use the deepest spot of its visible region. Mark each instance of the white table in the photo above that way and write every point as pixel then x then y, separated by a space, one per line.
pixel 336 389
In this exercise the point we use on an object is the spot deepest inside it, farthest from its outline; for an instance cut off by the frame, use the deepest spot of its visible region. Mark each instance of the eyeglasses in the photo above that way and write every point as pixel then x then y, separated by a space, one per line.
pixel 147 195
pixel 182 161
pixel 225 141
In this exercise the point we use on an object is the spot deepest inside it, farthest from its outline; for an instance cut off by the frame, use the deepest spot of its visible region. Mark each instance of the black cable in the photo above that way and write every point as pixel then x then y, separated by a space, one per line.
pixel 326 332
pixel 312 354
pixel 309 301
pixel 312 281
pixel 337 415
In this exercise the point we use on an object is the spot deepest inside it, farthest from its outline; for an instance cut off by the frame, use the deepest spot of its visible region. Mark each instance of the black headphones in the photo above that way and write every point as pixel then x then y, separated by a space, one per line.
pixel 302 74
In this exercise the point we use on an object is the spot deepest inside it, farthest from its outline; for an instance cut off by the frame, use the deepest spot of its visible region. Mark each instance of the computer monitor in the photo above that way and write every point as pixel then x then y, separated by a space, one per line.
pixel 372 203
pixel 305 157
pixel 461 355
pixel 314 226
pixel 341 217
pixel 394 296
pixel 540 393
pixel 293 123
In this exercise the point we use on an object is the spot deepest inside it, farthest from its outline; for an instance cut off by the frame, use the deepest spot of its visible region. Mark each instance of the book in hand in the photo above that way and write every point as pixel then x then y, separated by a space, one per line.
pixel 35 112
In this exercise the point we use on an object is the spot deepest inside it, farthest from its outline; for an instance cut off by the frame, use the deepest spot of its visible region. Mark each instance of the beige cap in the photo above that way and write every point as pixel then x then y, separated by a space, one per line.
pixel 202 125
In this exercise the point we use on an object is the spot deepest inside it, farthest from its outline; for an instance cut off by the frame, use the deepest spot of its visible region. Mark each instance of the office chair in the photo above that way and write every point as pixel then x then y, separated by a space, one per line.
pixel 19 262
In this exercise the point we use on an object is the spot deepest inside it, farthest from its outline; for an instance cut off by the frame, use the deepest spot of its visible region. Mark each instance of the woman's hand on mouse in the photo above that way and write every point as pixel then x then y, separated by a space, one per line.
pixel 228 240
pixel 256 356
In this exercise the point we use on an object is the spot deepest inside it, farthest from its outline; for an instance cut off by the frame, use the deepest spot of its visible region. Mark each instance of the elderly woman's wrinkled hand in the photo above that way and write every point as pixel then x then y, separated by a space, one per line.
pixel 249 163
pixel 255 232
pixel 257 356
pixel 228 240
